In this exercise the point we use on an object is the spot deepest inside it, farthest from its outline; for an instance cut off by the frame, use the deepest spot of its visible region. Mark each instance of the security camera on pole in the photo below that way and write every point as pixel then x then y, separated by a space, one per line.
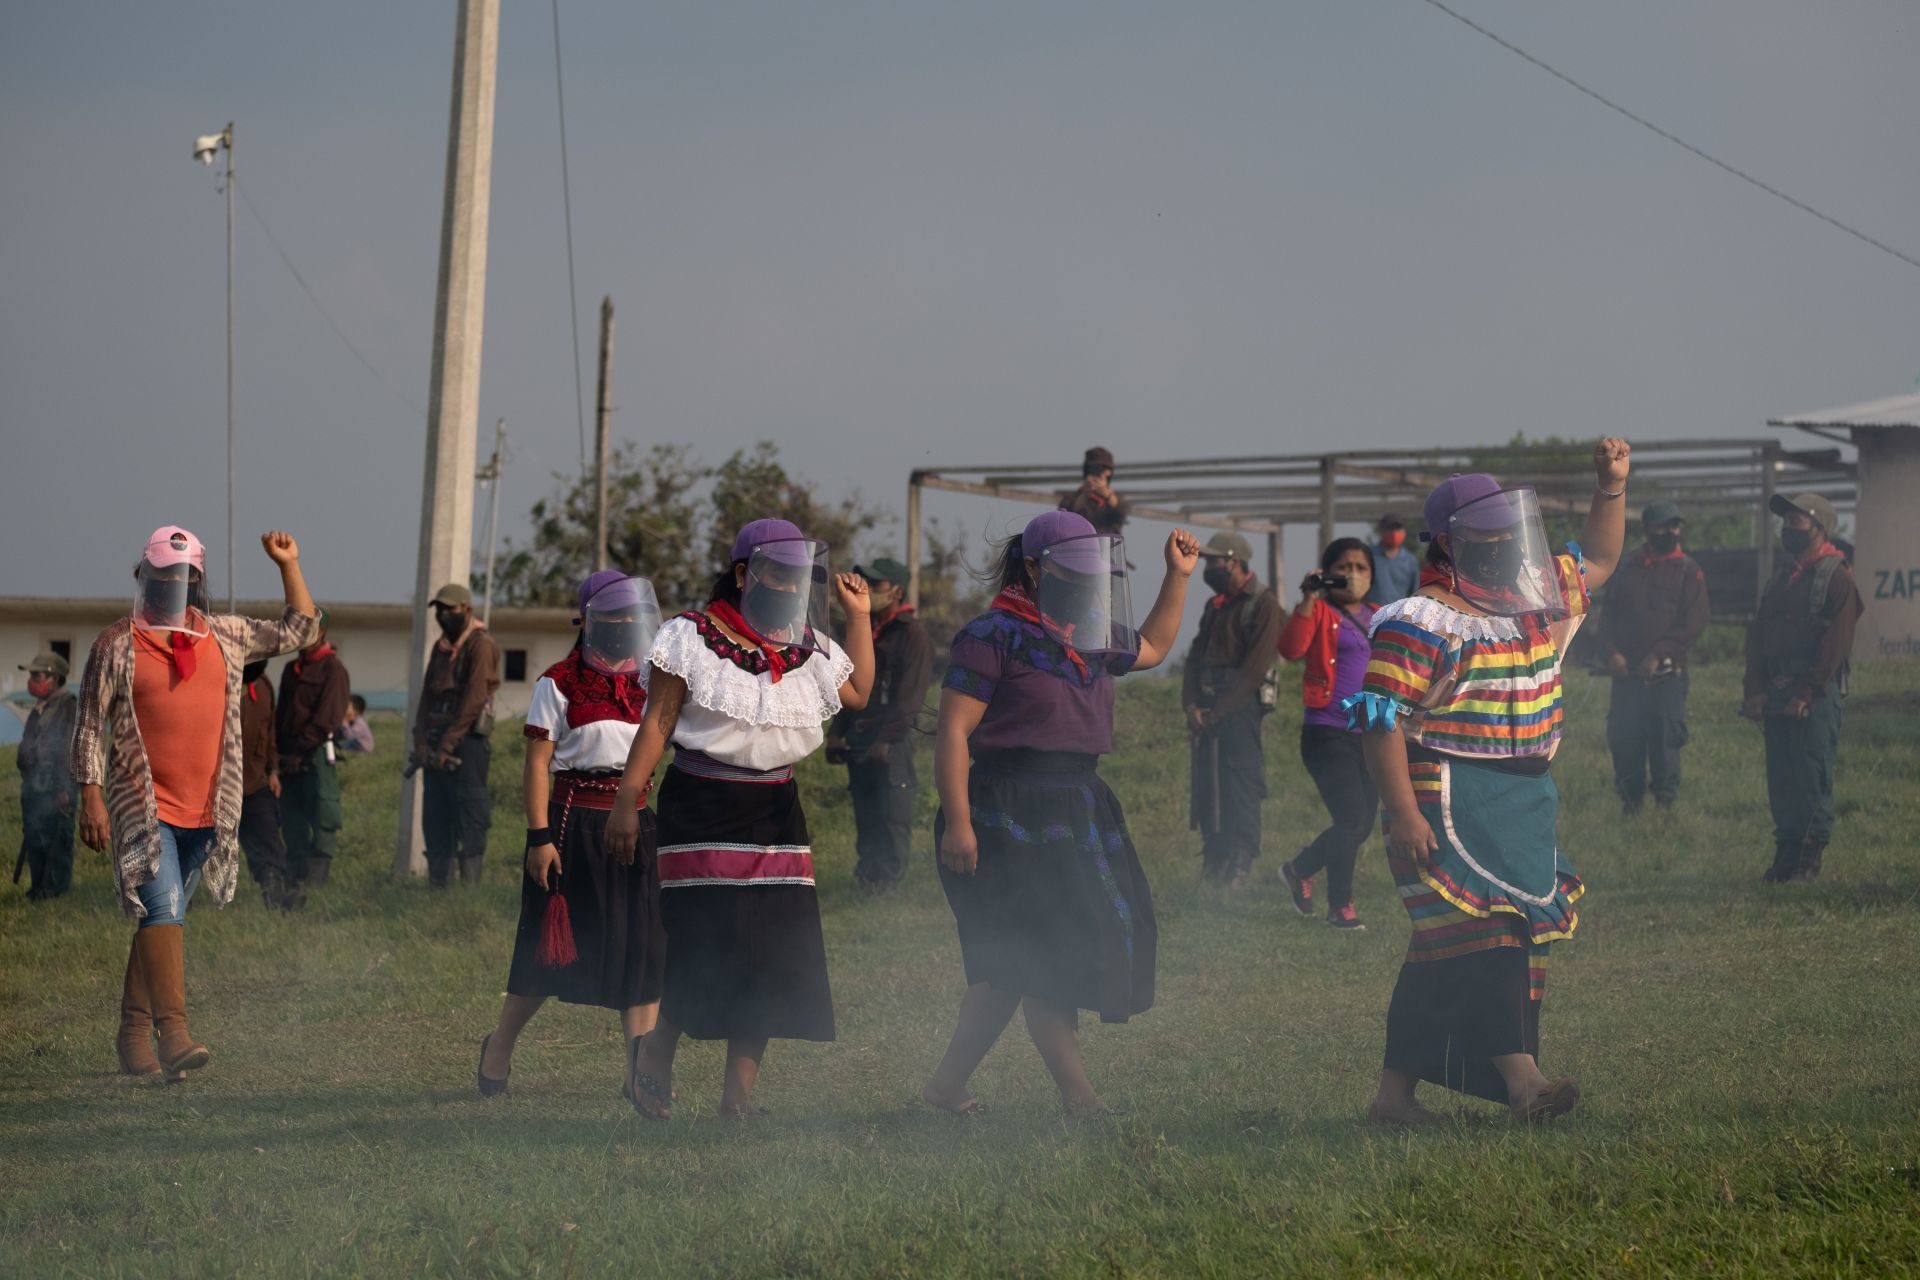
pixel 204 148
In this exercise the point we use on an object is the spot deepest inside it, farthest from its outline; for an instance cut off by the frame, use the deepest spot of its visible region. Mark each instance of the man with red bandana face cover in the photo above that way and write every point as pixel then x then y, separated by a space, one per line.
pixel 1396 570
pixel 46 789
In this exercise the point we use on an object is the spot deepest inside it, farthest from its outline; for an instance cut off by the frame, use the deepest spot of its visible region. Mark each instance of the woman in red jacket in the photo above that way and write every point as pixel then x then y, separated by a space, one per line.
pixel 1329 629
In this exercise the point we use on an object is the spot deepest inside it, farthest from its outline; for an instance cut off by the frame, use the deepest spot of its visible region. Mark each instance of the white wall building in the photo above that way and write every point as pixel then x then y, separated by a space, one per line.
pixel 372 640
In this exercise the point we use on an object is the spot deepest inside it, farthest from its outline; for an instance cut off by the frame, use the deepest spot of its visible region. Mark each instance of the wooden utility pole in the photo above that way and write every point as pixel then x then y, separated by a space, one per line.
pixel 446 503
pixel 601 408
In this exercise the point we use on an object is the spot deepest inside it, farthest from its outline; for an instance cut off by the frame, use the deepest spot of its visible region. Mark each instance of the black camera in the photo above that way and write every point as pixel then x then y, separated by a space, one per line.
pixel 1327 582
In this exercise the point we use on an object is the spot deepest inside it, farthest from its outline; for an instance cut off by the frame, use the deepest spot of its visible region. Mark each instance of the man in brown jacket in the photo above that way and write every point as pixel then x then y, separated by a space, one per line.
pixel 260 791
pixel 313 703
pixel 1656 608
pixel 1797 648
pixel 1222 694
pixel 451 739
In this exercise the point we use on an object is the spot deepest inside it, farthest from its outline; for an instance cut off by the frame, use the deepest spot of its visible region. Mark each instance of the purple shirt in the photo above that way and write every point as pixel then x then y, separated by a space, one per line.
pixel 1035 696
pixel 1350 657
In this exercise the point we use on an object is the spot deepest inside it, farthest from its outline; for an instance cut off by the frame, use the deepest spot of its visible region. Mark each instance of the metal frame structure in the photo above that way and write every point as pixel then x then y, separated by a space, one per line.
pixel 1265 494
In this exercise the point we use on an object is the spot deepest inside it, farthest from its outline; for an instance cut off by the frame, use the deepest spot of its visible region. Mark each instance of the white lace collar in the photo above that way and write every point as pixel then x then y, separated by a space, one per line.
pixel 1444 620
pixel 806 696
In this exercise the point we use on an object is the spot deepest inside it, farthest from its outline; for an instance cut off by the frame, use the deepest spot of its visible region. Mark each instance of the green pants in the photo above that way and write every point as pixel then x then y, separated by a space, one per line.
pixel 1800 760
pixel 310 816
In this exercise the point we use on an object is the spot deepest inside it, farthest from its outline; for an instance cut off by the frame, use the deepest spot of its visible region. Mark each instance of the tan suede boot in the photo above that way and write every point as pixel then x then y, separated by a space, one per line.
pixel 135 1042
pixel 163 961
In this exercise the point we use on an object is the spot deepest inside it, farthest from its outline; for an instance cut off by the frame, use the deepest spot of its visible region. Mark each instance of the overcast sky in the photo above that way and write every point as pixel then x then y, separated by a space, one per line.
pixel 893 234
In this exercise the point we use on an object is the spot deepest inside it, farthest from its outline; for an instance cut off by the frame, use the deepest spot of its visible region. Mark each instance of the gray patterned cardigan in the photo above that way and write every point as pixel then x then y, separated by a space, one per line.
pixel 108 752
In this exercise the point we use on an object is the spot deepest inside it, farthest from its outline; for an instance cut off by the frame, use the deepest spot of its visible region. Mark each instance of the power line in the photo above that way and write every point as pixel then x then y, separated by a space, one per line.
pixel 247 198
pixel 566 203
pixel 1676 140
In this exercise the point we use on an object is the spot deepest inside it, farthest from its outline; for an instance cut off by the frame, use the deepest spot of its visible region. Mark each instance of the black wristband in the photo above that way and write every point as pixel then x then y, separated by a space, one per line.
pixel 537 836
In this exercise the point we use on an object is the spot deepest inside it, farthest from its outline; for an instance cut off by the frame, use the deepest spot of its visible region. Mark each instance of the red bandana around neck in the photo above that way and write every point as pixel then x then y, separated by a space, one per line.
pixel 1826 551
pixel 1016 601
pixel 1649 556
pixel 300 663
pixel 730 617
pixel 1441 575
pixel 180 648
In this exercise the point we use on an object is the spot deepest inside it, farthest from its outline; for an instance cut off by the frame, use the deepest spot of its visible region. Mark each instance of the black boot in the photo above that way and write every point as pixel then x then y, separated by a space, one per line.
pixel 273 889
pixel 439 872
pixel 1786 861
pixel 470 871
pixel 1808 869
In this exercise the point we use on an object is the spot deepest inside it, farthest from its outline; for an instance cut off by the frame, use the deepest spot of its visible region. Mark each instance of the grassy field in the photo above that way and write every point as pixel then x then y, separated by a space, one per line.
pixel 1748 1057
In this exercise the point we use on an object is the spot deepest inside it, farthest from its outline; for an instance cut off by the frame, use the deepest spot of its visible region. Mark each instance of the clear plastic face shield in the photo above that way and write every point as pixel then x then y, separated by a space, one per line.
pixel 785 595
pixel 618 625
pixel 1501 561
pixel 170 598
pixel 1081 594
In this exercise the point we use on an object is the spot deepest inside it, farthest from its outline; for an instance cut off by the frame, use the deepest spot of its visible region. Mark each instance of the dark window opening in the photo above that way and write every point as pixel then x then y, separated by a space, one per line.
pixel 516 666
pixel 62 647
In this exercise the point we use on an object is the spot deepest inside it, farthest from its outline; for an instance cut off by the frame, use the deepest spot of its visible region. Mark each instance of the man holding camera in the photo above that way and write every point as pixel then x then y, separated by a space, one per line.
pixel 876 742
pixel 1656 609
pixel 1797 649
pixel 1095 499
pixel 1226 695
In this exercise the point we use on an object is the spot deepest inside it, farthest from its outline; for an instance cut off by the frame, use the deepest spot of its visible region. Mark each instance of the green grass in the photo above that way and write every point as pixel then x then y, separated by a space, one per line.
pixel 1747 1054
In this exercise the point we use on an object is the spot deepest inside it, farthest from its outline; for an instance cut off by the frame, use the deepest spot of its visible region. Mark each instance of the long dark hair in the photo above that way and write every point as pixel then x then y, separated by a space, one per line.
pixel 1436 555
pixel 1006 565
pixel 1339 547
pixel 726 587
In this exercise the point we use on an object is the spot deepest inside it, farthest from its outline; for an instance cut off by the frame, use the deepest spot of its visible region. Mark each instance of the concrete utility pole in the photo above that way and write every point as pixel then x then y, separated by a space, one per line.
pixel 446 506
pixel 233 587
pixel 601 408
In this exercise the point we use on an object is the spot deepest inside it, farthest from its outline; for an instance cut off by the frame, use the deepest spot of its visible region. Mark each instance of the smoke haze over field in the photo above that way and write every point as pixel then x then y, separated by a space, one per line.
pixel 893 235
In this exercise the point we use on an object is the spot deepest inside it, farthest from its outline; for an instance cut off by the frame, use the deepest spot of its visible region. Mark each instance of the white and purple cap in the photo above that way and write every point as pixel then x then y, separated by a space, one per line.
pixel 1075 542
pixel 779 540
pixel 171 545
pixel 608 590
pixel 1461 491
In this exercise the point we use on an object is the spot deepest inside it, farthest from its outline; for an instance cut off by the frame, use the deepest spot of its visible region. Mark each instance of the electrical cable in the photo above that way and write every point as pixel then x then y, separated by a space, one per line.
pixel 1676 140
pixel 566 204
pixel 246 198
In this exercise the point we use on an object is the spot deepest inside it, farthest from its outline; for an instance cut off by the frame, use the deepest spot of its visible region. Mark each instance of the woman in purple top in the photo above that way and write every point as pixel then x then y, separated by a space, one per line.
pixel 1329 630
pixel 1052 905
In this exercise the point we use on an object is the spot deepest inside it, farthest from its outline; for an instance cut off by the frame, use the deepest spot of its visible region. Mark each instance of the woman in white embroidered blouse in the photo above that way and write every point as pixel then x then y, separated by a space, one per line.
pixel 742 690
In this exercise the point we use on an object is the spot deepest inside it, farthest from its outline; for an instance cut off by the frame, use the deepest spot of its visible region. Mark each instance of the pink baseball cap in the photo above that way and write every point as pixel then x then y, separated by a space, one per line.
pixel 171 545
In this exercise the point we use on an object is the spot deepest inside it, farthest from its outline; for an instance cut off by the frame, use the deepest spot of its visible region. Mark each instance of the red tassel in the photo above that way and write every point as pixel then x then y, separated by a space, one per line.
pixel 556 949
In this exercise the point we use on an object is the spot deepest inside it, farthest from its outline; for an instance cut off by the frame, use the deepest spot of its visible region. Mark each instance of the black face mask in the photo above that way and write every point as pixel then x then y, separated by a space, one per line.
pixel 1068 604
pixel 1663 542
pixel 1491 564
pixel 616 641
pixel 452 623
pixel 159 595
pixel 770 609
pixel 1217 576
pixel 1796 541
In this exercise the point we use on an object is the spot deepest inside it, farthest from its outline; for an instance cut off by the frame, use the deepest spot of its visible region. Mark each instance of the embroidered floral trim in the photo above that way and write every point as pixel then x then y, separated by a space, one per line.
pixel 748 659
pixel 806 698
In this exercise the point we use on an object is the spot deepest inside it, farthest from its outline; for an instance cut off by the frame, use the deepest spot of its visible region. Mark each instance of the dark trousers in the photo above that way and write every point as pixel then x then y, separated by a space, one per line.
pixel 46 837
pixel 1800 760
pixel 310 817
pixel 1229 782
pixel 883 798
pixel 455 811
pixel 260 836
pixel 1646 727
pixel 1338 766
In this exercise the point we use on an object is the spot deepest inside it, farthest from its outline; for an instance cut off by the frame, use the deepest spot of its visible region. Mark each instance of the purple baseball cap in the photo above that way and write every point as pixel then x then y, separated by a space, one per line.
pixel 599 581
pixel 1458 491
pixel 1086 552
pixel 798 549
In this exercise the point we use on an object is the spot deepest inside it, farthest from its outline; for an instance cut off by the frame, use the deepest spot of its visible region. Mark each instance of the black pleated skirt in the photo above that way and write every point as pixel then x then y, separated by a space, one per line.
pixel 1058 908
pixel 745 957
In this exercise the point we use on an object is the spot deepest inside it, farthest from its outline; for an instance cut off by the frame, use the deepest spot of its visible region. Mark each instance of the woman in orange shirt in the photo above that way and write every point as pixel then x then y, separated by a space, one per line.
pixel 157 754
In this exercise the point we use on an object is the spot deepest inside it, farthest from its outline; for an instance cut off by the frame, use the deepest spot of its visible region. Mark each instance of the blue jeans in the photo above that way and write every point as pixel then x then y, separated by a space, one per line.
pixel 182 850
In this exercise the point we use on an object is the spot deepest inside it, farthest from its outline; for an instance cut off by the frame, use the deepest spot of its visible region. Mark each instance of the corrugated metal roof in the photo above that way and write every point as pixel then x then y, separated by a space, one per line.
pixel 1895 411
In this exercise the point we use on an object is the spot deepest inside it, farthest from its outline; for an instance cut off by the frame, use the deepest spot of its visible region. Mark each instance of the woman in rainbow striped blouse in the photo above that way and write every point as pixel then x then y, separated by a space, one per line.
pixel 1461 714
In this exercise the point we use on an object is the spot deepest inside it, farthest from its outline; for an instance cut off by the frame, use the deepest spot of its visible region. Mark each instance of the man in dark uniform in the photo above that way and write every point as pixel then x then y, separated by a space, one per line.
pixel 451 739
pixel 46 785
pixel 877 742
pixel 1656 608
pixel 260 791
pixel 1095 499
pixel 313 703
pixel 1226 695
pixel 1797 651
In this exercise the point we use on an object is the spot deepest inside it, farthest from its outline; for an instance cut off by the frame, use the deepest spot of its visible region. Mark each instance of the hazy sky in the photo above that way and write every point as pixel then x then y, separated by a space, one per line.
pixel 892 234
